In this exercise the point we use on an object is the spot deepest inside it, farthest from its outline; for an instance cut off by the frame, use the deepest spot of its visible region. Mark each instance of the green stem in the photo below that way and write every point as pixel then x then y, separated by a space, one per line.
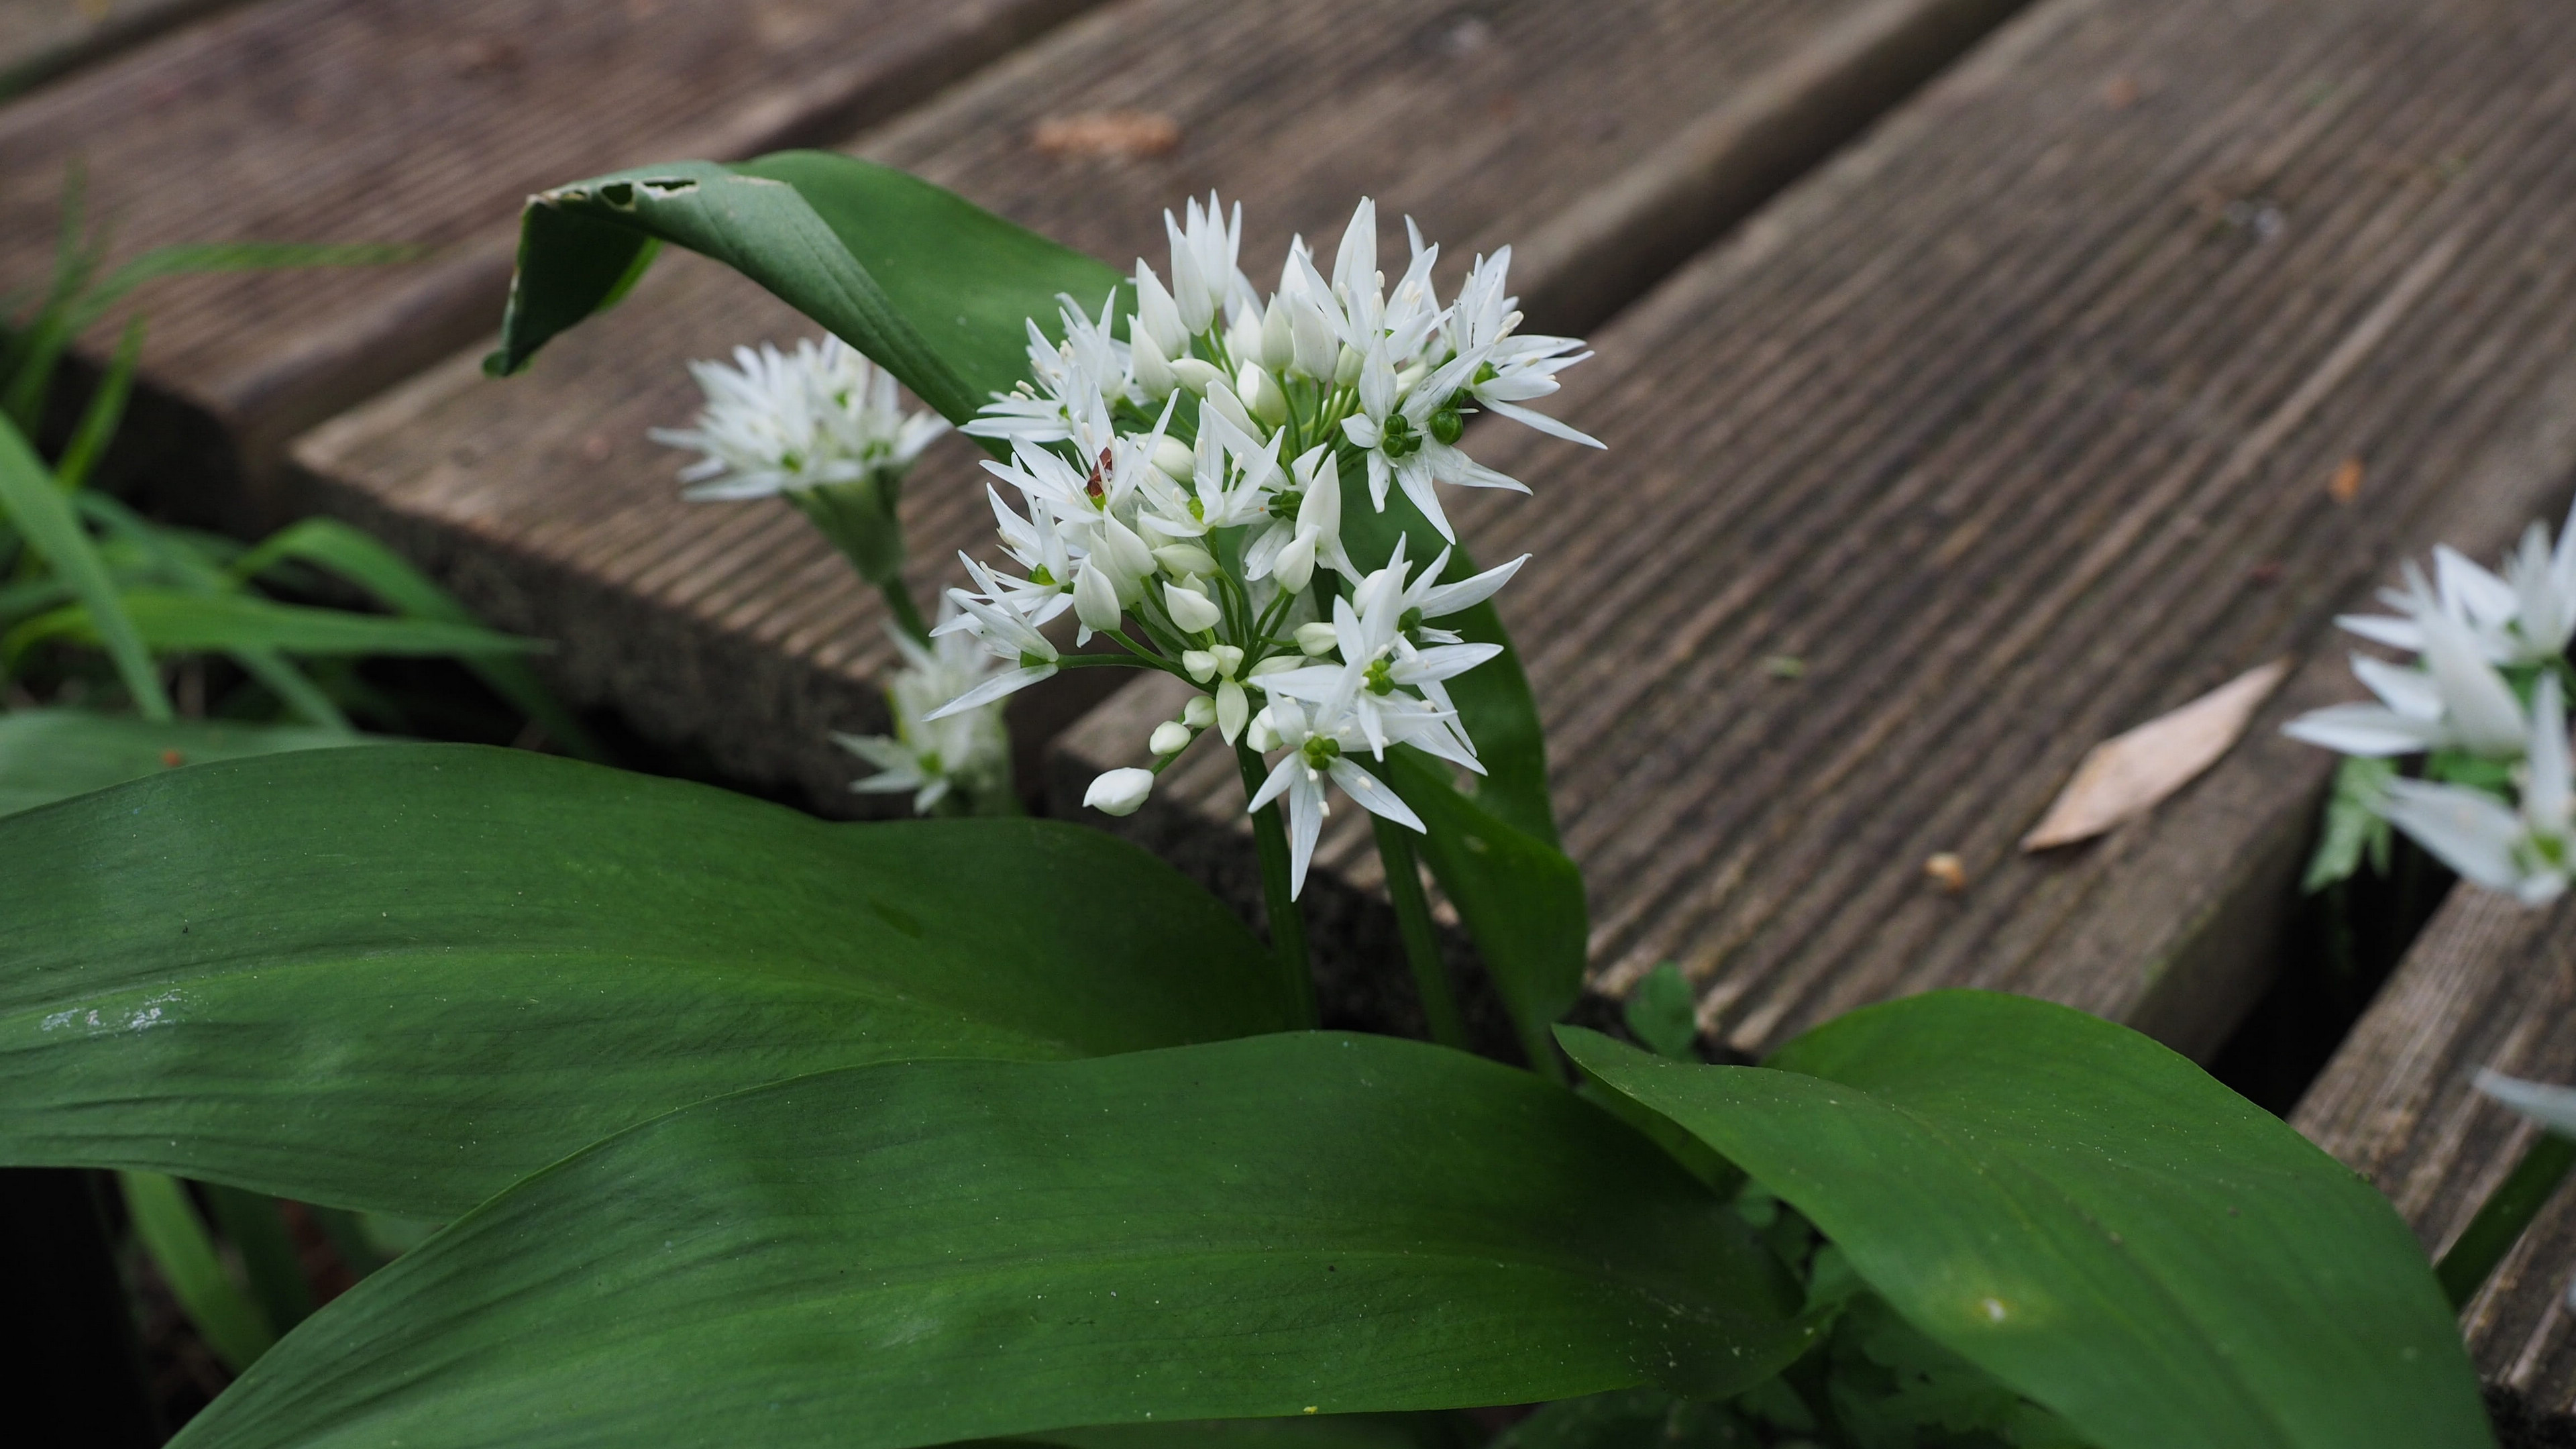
pixel 907 615
pixel 1287 926
pixel 2503 1216
pixel 1421 943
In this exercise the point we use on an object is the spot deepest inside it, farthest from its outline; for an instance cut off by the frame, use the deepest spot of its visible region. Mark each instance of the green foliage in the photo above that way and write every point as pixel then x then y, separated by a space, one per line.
pixel 45 518
pixel 501 957
pixel 355 558
pixel 909 1254
pixel 54 754
pixel 1662 1013
pixel 2354 829
pixel 934 288
pixel 2089 1218
pixel 168 1225
pixel 941 293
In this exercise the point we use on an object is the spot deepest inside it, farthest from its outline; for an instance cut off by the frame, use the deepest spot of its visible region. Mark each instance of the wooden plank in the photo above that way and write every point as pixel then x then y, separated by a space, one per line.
pixel 1603 137
pixel 342 120
pixel 2013 428
pixel 41 39
pixel 2488 984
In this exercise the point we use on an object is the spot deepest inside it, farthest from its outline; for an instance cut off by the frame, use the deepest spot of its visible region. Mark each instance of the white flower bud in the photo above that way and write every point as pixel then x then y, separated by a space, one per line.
pixel 1120 792
pixel 1243 338
pixel 1320 509
pixel 1125 555
pixel 1260 392
pixel 1278 337
pixel 1095 597
pixel 1197 374
pixel 1261 736
pixel 1275 664
pixel 1191 291
pixel 1318 351
pixel 1192 611
pixel 1200 712
pixel 1157 314
pixel 1181 560
pixel 1406 379
pixel 1317 639
pixel 1153 371
pixel 1229 407
pixel 1346 367
pixel 1170 738
pixel 1229 660
pixel 1233 707
pixel 1175 459
pixel 1200 664
pixel 1295 563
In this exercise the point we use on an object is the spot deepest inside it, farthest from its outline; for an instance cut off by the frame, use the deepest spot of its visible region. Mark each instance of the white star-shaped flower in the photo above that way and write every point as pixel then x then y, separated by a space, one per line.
pixel 783 422
pixel 2526 852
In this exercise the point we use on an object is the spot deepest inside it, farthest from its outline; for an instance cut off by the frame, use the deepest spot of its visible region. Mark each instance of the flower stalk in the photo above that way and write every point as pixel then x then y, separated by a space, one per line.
pixel 1421 942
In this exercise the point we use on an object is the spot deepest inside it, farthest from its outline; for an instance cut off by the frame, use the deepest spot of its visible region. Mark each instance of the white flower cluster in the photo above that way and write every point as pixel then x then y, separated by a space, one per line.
pixel 785 422
pixel 1180 491
pixel 825 429
pixel 964 757
pixel 2486 702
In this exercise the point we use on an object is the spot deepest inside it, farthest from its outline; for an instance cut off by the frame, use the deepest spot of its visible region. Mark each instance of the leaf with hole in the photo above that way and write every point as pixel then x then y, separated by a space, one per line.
pixel 930 285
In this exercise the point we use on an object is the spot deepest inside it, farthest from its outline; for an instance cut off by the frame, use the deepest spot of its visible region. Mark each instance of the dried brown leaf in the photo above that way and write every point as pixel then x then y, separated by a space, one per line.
pixel 2127 775
pixel 1107 133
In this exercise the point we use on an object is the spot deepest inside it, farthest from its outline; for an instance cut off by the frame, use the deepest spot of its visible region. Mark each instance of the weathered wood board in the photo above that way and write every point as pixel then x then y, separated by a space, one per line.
pixel 346 121
pixel 1603 139
pixel 41 39
pixel 2488 984
pixel 2009 430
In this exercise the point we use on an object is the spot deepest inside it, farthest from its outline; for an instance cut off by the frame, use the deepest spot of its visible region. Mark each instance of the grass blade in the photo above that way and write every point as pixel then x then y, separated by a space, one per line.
pixel 177 1240
pixel 45 517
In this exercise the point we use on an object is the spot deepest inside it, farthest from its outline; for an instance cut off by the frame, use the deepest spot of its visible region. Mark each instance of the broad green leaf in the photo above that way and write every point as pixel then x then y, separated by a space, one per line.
pixel 918 278
pixel 920 1252
pixel 400 978
pixel 168 1225
pixel 1521 898
pixel 2088 1217
pixel 41 513
pixel 1430 1430
pixel 183 622
pixel 54 754
pixel 354 556
pixel 1629 1419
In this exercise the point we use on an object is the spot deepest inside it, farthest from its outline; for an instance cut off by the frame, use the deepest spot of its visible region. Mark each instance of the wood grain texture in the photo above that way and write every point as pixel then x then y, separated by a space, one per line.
pixel 2014 427
pixel 2488 984
pixel 349 121
pixel 1607 132
pixel 41 39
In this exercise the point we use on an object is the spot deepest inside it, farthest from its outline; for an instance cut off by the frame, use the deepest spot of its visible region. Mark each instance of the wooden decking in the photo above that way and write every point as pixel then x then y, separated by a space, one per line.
pixel 2488 984
pixel 1601 138
pixel 2008 424
pixel 2009 430
pixel 349 121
